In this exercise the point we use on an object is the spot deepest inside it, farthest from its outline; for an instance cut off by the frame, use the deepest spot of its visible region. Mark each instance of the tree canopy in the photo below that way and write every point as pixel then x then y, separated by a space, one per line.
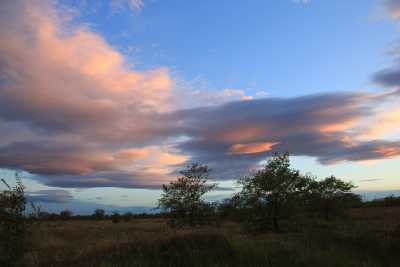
pixel 184 197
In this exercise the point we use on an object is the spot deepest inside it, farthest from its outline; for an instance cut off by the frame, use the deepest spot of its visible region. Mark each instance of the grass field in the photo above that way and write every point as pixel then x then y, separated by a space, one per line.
pixel 368 237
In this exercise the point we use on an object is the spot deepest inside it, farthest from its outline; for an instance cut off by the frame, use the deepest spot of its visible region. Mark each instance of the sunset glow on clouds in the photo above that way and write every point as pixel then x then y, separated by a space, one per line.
pixel 75 112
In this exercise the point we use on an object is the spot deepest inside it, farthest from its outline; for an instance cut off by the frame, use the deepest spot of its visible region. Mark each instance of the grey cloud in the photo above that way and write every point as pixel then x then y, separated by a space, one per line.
pixel 294 124
pixel 52 158
pixel 389 77
pixel 368 180
pixel 104 179
pixel 50 196
pixel 65 116
pixel 393 7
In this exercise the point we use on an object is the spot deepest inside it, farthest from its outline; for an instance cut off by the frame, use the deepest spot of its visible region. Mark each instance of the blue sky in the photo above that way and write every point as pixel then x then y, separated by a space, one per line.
pixel 255 45
pixel 124 92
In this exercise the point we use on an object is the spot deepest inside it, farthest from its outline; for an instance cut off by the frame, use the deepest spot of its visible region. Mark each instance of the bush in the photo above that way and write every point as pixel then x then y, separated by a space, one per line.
pixel 183 198
pixel 66 214
pixel 14 226
pixel 116 217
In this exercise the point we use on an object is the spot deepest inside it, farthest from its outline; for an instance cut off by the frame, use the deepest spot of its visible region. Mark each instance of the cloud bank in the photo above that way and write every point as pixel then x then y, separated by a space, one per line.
pixel 393 7
pixel 74 113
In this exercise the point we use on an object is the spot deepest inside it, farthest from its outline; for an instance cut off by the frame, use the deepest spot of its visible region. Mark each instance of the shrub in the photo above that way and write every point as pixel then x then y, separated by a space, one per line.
pixel 14 226
pixel 116 217
pixel 98 214
pixel 183 197
pixel 66 214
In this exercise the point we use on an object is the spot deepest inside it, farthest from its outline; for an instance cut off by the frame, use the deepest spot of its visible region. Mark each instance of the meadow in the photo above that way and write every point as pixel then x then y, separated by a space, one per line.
pixel 366 236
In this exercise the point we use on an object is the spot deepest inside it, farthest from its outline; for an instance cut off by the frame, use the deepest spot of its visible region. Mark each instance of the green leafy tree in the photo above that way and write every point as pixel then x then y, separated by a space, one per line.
pixel 14 226
pixel 272 193
pixel 183 197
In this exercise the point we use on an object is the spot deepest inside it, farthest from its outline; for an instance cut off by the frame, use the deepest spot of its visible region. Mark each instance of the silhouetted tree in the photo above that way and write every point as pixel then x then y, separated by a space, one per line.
pixel 116 217
pixel 14 226
pixel 183 197
pixel 127 216
pixel 334 194
pixel 98 214
pixel 272 192
pixel 66 214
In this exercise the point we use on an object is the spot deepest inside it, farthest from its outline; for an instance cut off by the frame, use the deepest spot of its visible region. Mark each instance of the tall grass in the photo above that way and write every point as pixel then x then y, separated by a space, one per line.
pixel 362 239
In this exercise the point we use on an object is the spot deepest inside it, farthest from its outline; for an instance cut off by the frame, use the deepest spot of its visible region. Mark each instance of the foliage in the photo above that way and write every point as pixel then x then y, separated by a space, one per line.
pixel 99 214
pixel 127 216
pixel 332 195
pixel 66 214
pixel 390 201
pixel 370 237
pixel 279 192
pixel 271 193
pixel 116 217
pixel 183 197
pixel 14 226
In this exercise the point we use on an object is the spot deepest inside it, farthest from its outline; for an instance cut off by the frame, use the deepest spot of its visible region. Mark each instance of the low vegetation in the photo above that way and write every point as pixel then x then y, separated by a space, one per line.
pixel 14 226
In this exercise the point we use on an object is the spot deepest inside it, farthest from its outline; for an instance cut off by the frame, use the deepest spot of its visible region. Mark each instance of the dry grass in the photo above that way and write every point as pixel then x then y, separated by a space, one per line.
pixel 369 237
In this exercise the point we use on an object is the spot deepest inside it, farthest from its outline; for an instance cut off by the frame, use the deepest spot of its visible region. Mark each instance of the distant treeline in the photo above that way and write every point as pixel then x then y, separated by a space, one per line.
pixel 221 209
pixel 97 215
pixel 390 201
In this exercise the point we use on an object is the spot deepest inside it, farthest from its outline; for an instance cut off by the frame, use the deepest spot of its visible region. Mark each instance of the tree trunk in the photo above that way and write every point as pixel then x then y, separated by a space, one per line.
pixel 327 210
pixel 276 225
pixel 275 218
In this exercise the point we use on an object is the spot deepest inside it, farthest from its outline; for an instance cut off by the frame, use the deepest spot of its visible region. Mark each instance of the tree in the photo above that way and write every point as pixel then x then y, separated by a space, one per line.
pixel 334 194
pixel 66 214
pixel 98 214
pixel 116 217
pixel 14 226
pixel 127 216
pixel 270 193
pixel 183 197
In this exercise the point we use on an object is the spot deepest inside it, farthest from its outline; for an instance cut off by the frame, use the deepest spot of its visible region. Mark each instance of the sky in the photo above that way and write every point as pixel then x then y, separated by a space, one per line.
pixel 102 102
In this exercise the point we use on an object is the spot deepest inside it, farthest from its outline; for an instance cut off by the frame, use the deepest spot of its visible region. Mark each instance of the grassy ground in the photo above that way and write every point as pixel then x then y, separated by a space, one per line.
pixel 369 237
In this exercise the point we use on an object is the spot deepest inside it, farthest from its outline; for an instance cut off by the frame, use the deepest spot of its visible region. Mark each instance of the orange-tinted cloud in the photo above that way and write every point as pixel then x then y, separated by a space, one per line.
pixel 70 104
pixel 387 152
pixel 251 148
pixel 75 113
pixel 240 134
pixel 393 8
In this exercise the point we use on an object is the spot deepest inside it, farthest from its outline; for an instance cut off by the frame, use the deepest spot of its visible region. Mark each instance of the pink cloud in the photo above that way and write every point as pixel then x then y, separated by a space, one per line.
pixel 251 148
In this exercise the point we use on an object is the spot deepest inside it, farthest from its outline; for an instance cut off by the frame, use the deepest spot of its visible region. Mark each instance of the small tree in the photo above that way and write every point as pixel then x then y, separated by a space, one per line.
pixel 14 226
pixel 183 197
pixel 127 216
pixel 116 217
pixel 270 194
pixel 98 214
pixel 333 194
pixel 66 214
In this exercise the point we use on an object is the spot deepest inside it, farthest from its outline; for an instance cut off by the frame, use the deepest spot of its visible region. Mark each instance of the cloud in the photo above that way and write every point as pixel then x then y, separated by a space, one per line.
pixel 328 127
pixel 50 196
pixel 368 180
pixel 206 97
pixel 393 7
pixel 70 105
pixel 135 5
pixel 251 148
pixel 304 2
pixel 75 114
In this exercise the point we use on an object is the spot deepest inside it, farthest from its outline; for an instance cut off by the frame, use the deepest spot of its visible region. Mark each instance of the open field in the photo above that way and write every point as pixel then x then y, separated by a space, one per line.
pixel 367 237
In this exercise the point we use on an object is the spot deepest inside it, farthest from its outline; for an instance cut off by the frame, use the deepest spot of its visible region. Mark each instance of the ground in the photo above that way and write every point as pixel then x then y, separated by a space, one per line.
pixel 367 237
